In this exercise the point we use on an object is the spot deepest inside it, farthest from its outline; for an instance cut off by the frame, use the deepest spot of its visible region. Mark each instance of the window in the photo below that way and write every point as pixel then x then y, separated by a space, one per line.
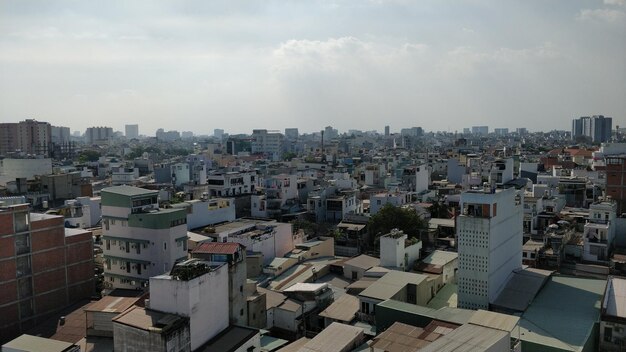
pixel 108 245
pixel 164 246
pixel 241 311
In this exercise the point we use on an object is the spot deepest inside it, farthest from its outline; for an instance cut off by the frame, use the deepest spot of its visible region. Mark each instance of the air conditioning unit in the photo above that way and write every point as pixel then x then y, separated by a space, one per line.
pixel 123 267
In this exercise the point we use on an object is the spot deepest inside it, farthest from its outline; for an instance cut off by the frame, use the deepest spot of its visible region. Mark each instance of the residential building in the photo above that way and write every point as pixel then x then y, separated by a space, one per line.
pixel 291 134
pixel 168 136
pixel 144 329
pixel 480 130
pixel 131 131
pixel 268 143
pixel 197 290
pixel 441 263
pixel 599 232
pixel 140 239
pixel 59 135
pixel 399 252
pixel 44 267
pixel 204 212
pixel 28 137
pixel 234 255
pixel 379 200
pixel 355 268
pixel 613 316
pixel 232 183
pixel 98 135
pixel 597 128
pixel 616 181
pixel 489 233
pixel 30 343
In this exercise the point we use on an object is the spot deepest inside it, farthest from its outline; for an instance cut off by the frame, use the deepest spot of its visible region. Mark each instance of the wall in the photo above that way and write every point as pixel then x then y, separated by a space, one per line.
pixel 203 299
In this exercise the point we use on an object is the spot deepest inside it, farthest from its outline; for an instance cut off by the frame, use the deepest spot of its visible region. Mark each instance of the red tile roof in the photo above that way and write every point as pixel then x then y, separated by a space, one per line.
pixel 217 248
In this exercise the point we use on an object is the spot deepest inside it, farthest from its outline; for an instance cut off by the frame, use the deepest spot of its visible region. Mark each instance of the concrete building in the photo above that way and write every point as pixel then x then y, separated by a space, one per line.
pixel 233 183
pixel 206 212
pixel 268 143
pixel 234 255
pixel 613 316
pixel 44 267
pixel 441 263
pixel 397 251
pixel 291 134
pixel 131 131
pixel 63 186
pixel 11 169
pixel 489 233
pixel 355 268
pixel 197 290
pixel 59 135
pixel 379 200
pixel 143 329
pixel 168 136
pixel 82 212
pixel 28 137
pixel 98 135
pixel 270 238
pixel 140 240
pixel 599 232
pixel 480 130
pixel 597 128
pixel 616 180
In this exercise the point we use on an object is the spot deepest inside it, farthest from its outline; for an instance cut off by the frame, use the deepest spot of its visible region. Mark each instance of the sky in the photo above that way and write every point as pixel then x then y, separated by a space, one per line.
pixel 243 64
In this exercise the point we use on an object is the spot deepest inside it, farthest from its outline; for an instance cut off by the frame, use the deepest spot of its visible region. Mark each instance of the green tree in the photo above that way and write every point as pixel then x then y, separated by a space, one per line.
pixel 88 155
pixel 439 209
pixel 392 217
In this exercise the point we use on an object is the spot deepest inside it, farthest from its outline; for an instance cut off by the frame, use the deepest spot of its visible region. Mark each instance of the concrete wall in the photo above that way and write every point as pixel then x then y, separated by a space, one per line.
pixel 130 339
pixel 285 319
pixel 204 213
pixel 203 299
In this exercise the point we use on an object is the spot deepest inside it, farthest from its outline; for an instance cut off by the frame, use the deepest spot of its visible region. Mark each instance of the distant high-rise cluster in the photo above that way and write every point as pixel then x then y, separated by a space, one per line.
pixel 597 128
pixel 95 135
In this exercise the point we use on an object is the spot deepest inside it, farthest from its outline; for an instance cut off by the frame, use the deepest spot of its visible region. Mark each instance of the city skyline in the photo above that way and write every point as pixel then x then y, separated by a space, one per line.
pixel 195 66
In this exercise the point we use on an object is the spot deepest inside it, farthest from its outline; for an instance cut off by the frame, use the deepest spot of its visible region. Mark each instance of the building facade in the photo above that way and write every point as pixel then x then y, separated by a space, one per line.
pixel 490 237
pixel 44 267
pixel 140 240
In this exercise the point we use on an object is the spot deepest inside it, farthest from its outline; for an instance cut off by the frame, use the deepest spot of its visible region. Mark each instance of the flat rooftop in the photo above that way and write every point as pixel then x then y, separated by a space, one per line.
pixel 28 343
pixel 392 282
pixel 129 190
pixel 563 314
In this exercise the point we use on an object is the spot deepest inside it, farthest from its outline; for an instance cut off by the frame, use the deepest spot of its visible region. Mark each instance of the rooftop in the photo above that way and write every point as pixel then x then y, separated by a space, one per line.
pixel 28 343
pixel 336 337
pixel 467 337
pixel 112 304
pixel 229 340
pixel 343 309
pixel 392 282
pixel 521 289
pixel 563 314
pixel 217 247
pixel 150 320
pixel 363 261
pixel 129 191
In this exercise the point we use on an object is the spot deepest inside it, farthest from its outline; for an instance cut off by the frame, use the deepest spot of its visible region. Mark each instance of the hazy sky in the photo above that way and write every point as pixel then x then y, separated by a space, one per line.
pixel 239 65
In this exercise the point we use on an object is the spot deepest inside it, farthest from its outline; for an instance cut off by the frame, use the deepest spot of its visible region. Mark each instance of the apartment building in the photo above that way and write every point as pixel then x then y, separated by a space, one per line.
pixel 28 136
pixel 44 267
pixel 141 240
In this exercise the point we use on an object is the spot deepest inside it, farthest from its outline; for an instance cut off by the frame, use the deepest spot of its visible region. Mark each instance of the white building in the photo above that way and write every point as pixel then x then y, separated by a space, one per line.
pixel 85 212
pixel 277 191
pixel 10 169
pixel 599 231
pixel 267 143
pixel 205 212
pixel 379 200
pixel 124 175
pixel 396 251
pixel 489 234
pixel 198 290
pixel 233 183
pixel 140 240
pixel 180 174
pixel 271 238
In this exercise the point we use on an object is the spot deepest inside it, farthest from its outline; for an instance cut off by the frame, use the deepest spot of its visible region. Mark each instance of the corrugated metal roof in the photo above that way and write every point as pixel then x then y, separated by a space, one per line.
pixel 343 309
pixel 388 285
pixel 440 258
pixel 217 248
pixel 494 320
pixel 336 337
pixel 521 289
pixel 30 343
pixel 467 338
pixel 363 261
pixel 112 304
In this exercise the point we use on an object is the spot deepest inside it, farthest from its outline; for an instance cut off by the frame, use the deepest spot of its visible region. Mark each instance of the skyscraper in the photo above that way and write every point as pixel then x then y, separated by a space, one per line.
pixel 387 131
pixel 597 128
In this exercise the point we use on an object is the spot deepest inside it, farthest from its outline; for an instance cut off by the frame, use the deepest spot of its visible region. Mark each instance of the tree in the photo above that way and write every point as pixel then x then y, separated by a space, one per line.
pixel 88 155
pixel 392 217
pixel 439 209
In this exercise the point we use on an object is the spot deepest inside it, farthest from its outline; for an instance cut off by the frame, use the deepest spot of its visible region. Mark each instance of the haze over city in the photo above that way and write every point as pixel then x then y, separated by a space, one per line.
pixel 239 65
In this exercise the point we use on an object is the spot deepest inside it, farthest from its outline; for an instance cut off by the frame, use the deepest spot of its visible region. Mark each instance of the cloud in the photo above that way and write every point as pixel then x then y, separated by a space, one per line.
pixel 601 15
pixel 615 2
